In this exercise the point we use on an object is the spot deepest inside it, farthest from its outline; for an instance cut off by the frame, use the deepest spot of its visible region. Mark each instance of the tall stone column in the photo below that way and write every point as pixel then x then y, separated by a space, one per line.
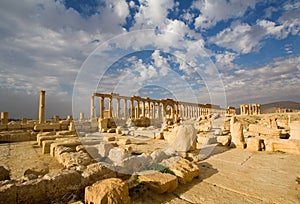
pixel 4 118
pixel 125 109
pixel 81 116
pixel 149 107
pixel 110 108
pixel 131 109
pixel 118 108
pixel 159 111
pixel 143 108
pixel 42 107
pixel 92 108
pixel 101 107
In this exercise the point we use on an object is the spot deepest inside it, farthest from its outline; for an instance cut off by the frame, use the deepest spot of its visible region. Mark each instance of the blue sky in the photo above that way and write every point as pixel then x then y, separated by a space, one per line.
pixel 226 52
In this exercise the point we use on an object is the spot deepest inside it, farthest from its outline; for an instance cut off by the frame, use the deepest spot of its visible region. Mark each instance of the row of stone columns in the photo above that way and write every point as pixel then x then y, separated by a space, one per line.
pixel 251 109
pixel 145 107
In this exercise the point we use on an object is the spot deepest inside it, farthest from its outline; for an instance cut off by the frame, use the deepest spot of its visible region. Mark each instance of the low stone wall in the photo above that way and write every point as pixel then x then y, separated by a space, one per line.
pixel 17 136
pixel 45 189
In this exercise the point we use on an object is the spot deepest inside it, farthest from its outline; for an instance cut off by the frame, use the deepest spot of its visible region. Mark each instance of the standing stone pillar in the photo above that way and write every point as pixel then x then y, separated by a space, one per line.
pixel 131 109
pixel 125 109
pixel 110 108
pixel 159 111
pixel 56 118
pixel 92 108
pixel 143 108
pixel 153 110
pixel 137 115
pixel 81 116
pixel 118 108
pixel 101 107
pixel 4 118
pixel 149 106
pixel 42 107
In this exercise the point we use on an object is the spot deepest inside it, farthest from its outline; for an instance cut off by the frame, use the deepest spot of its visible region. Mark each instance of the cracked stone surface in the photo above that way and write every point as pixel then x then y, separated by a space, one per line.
pixel 238 176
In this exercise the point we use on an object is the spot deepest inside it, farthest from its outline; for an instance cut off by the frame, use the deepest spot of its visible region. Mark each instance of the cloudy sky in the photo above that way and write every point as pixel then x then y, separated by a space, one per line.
pixel 225 52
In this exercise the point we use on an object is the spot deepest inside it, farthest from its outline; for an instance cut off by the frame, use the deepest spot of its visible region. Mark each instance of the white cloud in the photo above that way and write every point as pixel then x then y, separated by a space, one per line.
pixel 224 61
pixel 214 11
pixel 243 38
pixel 277 81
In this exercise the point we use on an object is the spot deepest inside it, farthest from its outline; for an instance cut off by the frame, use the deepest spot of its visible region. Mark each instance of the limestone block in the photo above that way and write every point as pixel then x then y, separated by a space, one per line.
pixel 290 146
pixel 185 138
pixel 40 139
pixel 13 126
pixel 95 172
pixel 111 130
pixel 111 190
pixel 27 126
pixel 46 146
pixel 254 144
pixel 295 130
pixel 263 130
pixel 74 159
pixel 4 173
pixel 185 170
pixel 37 171
pixel 157 156
pixel 80 148
pixel 159 182
pixel 109 138
pixel 224 140
pixel 124 141
pixel 104 148
pixel 237 136
pixel 54 126
pixel 133 164
pixel 117 155
pixel 205 127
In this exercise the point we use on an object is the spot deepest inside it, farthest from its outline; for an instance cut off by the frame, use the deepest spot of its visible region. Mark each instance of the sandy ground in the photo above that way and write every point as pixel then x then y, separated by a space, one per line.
pixel 20 156
pixel 237 176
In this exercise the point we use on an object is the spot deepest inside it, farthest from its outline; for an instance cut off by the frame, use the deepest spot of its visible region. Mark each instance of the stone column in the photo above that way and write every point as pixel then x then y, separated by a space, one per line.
pixel 159 111
pixel 143 108
pixel 92 108
pixel 110 108
pixel 149 109
pixel 118 108
pixel 101 107
pixel 81 116
pixel 56 118
pixel 137 114
pixel 42 107
pixel 4 118
pixel 125 109
pixel 131 109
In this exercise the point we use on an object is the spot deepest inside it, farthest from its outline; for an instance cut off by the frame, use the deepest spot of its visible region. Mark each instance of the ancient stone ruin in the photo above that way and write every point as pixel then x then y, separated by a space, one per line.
pixel 150 151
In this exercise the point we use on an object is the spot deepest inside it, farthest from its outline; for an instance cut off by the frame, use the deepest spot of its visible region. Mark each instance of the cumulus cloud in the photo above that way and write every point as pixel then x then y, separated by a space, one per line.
pixel 264 83
pixel 211 12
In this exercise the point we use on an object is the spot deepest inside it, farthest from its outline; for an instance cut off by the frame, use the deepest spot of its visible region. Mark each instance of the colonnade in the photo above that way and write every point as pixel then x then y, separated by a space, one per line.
pixel 138 107
pixel 251 109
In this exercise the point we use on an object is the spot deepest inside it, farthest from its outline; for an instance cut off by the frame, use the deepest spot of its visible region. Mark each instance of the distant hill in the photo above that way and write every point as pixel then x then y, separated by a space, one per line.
pixel 271 107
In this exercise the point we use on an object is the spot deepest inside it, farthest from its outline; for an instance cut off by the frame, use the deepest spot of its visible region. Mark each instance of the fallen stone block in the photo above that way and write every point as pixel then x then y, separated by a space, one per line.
pixel 295 130
pixel 254 144
pixel 104 148
pixel 111 190
pixel 37 171
pixel 263 130
pixel 95 172
pixel 237 136
pixel 159 182
pixel 224 140
pixel 289 146
pixel 185 170
pixel 124 141
pixel 46 146
pixel 42 127
pixel 109 138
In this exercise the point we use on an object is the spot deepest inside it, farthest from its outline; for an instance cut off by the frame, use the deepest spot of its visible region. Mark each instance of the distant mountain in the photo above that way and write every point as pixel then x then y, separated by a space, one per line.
pixel 271 107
